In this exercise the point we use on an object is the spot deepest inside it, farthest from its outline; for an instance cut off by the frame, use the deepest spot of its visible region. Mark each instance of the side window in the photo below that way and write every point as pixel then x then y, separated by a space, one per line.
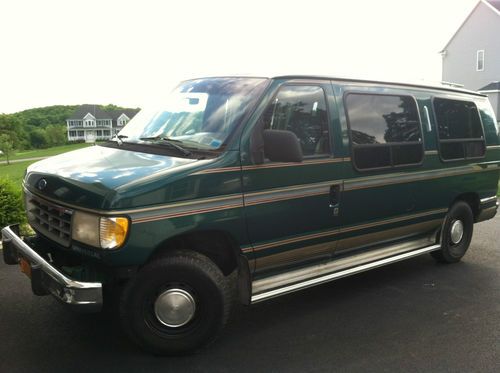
pixel 384 130
pixel 302 110
pixel 459 129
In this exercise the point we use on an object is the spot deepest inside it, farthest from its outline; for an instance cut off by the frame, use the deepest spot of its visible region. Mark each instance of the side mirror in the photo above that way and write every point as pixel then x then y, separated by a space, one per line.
pixel 282 146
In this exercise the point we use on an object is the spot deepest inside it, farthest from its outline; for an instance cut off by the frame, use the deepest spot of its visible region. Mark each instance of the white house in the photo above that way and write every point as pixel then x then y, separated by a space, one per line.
pixel 91 123
pixel 472 56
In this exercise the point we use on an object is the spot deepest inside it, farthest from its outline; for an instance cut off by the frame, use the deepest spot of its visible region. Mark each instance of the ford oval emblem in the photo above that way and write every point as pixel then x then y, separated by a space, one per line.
pixel 42 184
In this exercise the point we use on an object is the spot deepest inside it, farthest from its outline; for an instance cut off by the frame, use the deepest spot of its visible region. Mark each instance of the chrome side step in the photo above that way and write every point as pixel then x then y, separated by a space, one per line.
pixel 287 283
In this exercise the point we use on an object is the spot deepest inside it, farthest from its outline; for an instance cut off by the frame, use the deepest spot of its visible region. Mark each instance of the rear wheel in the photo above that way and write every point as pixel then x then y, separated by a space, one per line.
pixel 456 234
pixel 176 304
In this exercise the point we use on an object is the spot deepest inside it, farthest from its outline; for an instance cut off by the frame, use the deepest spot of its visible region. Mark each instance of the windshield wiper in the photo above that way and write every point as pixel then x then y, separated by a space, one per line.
pixel 170 142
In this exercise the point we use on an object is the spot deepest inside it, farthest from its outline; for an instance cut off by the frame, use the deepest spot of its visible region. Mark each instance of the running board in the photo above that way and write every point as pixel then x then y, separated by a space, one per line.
pixel 311 276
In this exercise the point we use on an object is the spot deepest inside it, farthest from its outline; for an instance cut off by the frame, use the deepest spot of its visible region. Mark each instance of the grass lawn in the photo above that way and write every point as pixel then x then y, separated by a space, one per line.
pixel 15 171
pixel 45 152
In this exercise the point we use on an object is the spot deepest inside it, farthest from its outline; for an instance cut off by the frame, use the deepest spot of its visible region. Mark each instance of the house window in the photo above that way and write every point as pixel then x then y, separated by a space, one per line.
pixel 106 132
pixel 80 133
pixel 480 60
pixel 72 133
pixel 384 129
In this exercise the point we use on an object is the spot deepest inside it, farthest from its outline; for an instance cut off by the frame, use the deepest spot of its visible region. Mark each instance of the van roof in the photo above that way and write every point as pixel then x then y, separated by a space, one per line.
pixel 440 86
pixel 428 85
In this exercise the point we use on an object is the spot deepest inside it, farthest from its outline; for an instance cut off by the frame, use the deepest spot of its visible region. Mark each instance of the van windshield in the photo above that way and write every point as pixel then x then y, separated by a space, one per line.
pixel 199 114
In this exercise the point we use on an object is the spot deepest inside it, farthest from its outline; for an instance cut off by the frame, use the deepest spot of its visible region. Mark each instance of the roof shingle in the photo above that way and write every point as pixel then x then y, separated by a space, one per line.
pixel 95 110
pixel 494 3
pixel 493 86
pixel 98 113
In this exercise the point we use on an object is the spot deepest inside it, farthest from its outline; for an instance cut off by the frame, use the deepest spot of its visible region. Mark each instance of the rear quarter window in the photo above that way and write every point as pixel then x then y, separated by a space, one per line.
pixel 460 132
pixel 385 130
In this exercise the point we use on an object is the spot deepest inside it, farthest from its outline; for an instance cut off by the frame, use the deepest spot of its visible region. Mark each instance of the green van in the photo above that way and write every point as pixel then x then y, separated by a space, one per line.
pixel 244 189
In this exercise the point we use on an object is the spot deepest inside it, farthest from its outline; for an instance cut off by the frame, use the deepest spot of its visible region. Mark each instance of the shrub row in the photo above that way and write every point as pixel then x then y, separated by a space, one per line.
pixel 11 203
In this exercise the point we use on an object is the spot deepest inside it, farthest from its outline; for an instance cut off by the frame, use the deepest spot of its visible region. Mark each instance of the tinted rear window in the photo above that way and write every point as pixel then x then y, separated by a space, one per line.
pixel 459 129
pixel 384 129
pixel 380 119
pixel 457 119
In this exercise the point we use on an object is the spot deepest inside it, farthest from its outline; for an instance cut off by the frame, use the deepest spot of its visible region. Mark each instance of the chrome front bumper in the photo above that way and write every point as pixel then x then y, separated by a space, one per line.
pixel 45 279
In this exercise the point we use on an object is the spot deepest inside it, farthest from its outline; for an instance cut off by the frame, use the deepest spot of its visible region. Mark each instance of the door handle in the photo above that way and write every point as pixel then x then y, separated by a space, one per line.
pixel 335 198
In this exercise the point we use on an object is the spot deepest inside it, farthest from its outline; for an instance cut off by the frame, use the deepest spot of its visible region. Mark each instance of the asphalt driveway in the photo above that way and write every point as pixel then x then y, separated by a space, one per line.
pixel 411 316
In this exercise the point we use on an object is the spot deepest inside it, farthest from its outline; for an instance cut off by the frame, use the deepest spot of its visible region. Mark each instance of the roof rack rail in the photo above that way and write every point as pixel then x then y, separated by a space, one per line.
pixel 456 85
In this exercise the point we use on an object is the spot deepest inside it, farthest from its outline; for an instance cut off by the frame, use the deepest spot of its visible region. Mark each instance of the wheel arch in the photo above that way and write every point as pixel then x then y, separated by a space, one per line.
pixel 472 199
pixel 219 246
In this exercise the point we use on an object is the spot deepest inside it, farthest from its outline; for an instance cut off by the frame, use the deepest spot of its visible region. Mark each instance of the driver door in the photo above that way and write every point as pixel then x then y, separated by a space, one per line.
pixel 292 208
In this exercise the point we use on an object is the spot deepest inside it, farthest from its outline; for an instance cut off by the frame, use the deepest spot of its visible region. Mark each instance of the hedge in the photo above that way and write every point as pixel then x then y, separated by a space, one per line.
pixel 11 203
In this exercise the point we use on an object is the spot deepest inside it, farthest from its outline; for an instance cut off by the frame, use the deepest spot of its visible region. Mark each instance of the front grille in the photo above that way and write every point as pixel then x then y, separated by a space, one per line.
pixel 49 219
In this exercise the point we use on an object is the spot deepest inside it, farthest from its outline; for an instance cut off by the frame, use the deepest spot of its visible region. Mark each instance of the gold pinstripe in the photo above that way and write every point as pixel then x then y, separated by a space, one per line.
pixel 355 184
pixel 347 229
pixel 186 213
pixel 303 252
pixel 284 198
pixel 273 165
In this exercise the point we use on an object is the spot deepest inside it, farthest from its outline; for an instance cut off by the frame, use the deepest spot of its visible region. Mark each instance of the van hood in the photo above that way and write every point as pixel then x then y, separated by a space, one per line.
pixel 100 177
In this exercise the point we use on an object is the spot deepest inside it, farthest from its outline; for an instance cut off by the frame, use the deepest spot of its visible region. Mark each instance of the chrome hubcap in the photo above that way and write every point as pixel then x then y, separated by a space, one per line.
pixel 457 231
pixel 175 307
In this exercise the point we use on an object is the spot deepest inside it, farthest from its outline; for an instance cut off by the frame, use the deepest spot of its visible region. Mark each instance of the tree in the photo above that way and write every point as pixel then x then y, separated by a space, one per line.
pixel 11 127
pixel 6 146
pixel 56 135
pixel 38 138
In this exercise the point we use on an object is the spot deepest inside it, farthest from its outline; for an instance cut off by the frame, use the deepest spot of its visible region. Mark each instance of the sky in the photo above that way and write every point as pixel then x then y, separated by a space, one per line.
pixel 131 52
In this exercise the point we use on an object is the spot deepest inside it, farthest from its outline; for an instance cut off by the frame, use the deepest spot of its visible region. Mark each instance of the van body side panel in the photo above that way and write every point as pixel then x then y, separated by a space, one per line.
pixel 416 197
pixel 376 207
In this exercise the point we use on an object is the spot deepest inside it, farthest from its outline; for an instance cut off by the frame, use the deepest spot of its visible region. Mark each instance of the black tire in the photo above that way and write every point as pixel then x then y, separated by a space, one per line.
pixel 451 252
pixel 193 274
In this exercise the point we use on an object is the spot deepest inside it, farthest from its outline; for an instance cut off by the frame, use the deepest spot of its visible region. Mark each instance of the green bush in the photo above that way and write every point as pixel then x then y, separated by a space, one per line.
pixel 11 203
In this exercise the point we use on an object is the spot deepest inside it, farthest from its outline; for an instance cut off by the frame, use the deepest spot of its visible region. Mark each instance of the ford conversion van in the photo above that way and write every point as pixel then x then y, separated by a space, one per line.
pixel 245 189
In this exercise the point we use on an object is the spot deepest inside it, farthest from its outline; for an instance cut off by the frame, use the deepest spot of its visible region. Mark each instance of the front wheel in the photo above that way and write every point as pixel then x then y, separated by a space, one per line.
pixel 176 304
pixel 456 234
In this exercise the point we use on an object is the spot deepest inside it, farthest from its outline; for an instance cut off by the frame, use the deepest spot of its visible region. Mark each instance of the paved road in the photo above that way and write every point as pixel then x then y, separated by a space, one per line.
pixel 411 316
pixel 23 160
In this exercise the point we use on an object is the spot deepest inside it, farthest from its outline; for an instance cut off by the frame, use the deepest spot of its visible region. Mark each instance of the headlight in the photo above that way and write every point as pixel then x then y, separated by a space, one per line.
pixel 85 228
pixel 103 232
